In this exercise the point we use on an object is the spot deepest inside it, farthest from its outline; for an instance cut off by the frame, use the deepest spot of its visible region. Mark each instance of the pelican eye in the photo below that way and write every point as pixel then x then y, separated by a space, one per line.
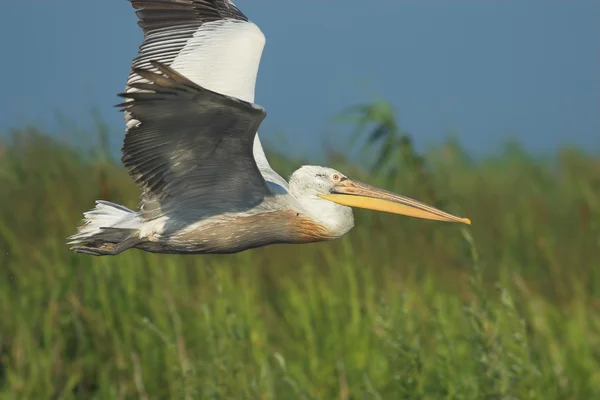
pixel 336 177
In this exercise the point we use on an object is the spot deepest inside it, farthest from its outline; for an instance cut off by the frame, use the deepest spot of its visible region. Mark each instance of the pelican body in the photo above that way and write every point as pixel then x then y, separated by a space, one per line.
pixel 192 146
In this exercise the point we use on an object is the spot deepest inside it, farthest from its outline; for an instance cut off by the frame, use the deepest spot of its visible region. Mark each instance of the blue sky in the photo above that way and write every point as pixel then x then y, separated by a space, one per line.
pixel 482 71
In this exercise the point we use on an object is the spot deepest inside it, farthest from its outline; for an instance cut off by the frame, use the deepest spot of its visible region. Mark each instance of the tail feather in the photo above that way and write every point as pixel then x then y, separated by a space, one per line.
pixel 108 229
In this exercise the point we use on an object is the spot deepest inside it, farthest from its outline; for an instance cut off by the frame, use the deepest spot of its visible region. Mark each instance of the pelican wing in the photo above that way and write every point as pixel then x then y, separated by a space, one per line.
pixel 210 42
pixel 192 147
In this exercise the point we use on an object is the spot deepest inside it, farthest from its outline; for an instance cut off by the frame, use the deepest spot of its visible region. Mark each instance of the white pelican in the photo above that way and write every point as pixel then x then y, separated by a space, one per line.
pixel 192 147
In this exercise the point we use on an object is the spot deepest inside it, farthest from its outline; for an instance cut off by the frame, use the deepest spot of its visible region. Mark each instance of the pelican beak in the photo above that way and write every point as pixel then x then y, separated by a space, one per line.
pixel 352 193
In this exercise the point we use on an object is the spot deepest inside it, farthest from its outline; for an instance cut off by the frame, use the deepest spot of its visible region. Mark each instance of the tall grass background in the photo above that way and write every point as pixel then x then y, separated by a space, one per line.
pixel 399 308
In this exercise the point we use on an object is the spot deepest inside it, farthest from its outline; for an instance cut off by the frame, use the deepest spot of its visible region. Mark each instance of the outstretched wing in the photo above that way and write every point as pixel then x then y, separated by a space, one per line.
pixel 210 42
pixel 192 147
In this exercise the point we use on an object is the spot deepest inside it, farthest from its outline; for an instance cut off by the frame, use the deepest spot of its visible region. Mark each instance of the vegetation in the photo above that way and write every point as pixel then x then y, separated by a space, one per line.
pixel 397 309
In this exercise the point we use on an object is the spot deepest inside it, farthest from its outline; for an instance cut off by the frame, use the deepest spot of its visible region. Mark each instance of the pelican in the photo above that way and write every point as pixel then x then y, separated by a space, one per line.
pixel 192 147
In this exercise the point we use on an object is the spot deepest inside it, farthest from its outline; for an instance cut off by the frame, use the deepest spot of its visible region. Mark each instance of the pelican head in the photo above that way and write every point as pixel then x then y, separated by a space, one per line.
pixel 331 194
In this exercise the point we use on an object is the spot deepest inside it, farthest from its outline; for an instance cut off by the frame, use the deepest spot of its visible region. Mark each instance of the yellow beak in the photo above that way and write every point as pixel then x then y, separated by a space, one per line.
pixel 353 193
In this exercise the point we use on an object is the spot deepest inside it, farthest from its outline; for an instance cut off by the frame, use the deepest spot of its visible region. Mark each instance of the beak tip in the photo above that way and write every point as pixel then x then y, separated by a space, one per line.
pixel 466 221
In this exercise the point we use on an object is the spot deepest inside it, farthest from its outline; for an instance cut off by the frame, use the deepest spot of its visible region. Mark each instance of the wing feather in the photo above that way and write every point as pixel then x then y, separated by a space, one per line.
pixel 192 147
pixel 213 44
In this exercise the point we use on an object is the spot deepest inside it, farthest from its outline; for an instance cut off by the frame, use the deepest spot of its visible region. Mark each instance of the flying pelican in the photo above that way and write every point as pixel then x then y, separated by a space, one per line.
pixel 191 145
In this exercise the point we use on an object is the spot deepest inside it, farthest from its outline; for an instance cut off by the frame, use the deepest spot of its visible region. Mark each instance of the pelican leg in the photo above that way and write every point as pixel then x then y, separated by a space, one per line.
pixel 107 249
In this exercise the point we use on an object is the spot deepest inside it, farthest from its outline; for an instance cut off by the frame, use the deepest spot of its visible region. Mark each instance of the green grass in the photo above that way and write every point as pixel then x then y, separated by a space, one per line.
pixel 397 309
